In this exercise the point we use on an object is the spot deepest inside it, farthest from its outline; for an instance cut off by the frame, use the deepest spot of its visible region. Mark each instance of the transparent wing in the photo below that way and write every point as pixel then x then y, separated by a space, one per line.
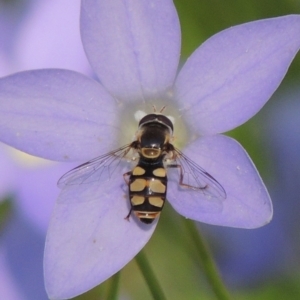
pixel 99 168
pixel 194 177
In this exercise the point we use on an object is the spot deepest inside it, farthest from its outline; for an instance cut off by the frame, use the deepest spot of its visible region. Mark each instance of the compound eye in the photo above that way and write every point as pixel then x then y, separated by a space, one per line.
pixel 154 118
pixel 166 121
pixel 151 152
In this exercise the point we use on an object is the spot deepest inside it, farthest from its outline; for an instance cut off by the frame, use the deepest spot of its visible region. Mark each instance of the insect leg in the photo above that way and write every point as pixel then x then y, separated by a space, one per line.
pixel 181 179
pixel 126 177
pixel 128 216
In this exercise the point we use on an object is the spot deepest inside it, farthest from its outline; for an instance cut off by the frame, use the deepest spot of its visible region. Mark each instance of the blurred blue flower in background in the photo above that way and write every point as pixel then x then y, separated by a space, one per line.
pixel 22 247
pixel 41 34
pixel 283 134
pixel 12 15
pixel 31 186
pixel 30 34
pixel 248 258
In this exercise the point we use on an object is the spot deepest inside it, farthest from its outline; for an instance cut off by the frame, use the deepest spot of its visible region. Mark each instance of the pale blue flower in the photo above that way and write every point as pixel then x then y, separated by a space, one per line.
pixel 133 47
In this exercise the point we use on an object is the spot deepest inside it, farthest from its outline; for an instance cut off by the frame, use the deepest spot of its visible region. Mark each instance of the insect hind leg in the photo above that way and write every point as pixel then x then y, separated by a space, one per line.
pixel 128 216
pixel 126 177
pixel 181 179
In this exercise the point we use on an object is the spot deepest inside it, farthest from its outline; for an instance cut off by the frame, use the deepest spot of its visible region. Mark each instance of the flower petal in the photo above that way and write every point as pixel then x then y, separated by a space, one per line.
pixel 231 76
pixel 37 190
pixel 88 239
pixel 247 204
pixel 61 47
pixel 57 114
pixel 133 46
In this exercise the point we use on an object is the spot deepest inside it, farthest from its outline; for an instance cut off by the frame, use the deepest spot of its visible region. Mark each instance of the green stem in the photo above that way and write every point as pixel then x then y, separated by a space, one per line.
pixel 6 208
pixel 114 287
pixel 207 262
pixel 152 282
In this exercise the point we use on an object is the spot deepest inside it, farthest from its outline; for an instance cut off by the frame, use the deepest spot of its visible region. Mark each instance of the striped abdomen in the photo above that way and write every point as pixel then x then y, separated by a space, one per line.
pixel 147 190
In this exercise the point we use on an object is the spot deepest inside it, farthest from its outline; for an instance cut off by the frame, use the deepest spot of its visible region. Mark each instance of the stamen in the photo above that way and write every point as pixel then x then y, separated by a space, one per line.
pixel 162 109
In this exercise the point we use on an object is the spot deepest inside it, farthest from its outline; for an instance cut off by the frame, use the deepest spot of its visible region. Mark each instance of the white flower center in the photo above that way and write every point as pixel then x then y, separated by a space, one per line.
pixel 131 114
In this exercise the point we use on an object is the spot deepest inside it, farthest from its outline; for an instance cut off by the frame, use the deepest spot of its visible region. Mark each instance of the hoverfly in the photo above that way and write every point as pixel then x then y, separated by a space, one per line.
pixel 147 181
